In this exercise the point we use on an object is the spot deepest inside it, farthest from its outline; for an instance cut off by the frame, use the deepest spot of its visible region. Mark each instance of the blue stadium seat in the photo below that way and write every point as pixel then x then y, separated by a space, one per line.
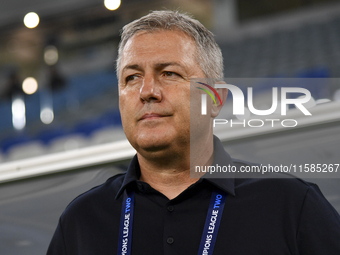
pixel 5 115
pixel 46 136
pixel 7 143
pixel 32 104
pixel 315 72
pixel 87 127
pixel 111 118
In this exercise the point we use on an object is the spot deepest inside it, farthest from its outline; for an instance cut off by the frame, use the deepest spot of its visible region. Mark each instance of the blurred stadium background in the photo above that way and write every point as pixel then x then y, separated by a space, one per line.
pixel 67 111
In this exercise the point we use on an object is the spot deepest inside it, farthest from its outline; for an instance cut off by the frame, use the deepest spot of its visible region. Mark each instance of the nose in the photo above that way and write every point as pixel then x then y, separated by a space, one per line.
pixel 150 91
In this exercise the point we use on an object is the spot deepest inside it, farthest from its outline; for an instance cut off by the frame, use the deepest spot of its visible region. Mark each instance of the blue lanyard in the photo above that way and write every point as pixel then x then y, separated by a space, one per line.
pixel 212 223
pixel 209 236
pixel 126 220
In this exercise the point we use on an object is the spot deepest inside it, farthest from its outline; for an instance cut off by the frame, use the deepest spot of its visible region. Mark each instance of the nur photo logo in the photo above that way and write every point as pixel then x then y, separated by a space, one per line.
pixel 281 99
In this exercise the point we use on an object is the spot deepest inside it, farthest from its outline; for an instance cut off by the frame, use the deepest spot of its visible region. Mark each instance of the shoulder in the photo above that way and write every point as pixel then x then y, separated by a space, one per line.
pixel 280 186
pixel 99 196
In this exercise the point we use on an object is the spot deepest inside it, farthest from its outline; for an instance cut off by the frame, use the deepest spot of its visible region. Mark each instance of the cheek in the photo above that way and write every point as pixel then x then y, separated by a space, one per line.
pixel 124 108
pixel 121 105
pixel 126 98
pixel 182 105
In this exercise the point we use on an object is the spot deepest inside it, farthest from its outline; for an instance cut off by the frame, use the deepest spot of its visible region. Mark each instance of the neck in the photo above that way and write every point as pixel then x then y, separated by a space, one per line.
pixel 172 177
pixel 170 183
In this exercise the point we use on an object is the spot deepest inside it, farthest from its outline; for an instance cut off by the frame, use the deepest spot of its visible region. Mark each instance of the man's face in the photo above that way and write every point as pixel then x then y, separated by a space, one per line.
pixel 154 90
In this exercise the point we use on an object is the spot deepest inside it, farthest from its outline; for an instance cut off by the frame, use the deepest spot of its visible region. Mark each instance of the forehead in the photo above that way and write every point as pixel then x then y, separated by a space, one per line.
pixel 158 44
pixel 159 33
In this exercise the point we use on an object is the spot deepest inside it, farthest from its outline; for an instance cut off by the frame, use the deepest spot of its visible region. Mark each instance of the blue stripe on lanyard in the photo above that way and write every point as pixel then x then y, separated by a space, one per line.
pixel 212 223
pixel 126 220
pixel 209 236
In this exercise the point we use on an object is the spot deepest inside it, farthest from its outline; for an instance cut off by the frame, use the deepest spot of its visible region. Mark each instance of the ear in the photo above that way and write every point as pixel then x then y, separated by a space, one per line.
pixel 215 109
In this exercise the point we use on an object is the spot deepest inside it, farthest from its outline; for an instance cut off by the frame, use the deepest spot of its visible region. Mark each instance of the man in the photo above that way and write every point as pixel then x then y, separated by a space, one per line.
pixel 155 207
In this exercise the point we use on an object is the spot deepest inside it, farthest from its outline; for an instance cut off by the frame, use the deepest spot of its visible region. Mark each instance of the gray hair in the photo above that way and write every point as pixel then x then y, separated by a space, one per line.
pixel 209 55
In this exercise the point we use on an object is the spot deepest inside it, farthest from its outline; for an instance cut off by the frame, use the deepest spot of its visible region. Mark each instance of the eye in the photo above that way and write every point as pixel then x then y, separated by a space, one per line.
pixel 170 74
pixel 130 78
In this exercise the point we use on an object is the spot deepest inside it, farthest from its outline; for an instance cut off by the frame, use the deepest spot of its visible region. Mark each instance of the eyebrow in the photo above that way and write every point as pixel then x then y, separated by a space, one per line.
pixel 163 65
pixel 157 66
pixel 134 67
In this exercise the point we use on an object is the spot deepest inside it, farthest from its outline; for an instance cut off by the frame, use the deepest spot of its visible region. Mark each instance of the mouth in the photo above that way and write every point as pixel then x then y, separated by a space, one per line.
pixel 152 116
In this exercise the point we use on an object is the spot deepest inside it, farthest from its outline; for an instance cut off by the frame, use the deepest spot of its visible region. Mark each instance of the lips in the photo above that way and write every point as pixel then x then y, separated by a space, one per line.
pixel 151 116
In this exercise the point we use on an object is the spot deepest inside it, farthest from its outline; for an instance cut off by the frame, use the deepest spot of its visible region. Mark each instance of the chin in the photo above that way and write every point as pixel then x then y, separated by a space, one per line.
pixel 153 143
